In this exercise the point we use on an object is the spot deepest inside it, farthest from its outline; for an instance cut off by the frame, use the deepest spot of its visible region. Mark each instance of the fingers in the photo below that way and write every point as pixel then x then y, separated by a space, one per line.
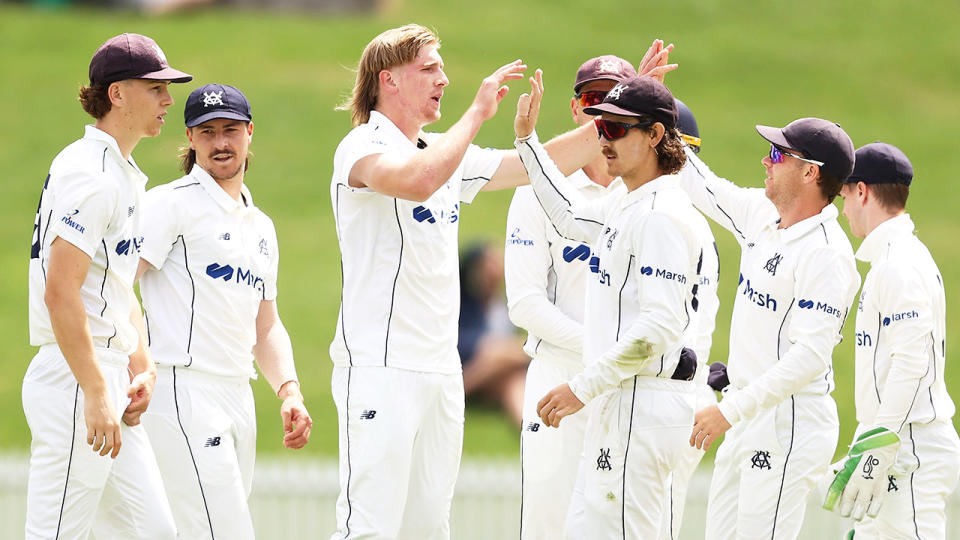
pixel 502 93
pixel 523 105
pixel 296 438
pixel 286 417
pixel 536 90
pixel 509 72
pixel 652 50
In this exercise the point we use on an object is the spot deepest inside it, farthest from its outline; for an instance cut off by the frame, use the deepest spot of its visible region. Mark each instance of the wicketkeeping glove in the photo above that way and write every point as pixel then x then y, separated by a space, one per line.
pixel 717 378
pixel 862 482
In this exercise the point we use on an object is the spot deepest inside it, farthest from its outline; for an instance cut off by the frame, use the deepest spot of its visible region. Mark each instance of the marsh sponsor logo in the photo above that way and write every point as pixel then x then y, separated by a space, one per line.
pixel 227 273
pixel 663 274
pixel 864 339
pixel 821 306
pixel 759 298
pixel 129 246
pixel 422 213
pixel 897 317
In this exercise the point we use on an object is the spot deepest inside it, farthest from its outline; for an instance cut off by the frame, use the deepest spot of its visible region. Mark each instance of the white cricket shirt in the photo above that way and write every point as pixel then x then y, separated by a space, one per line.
pixel 795 289
pixel 901 331
pixel 401 287
pixel 639 309
pixel 91 198
pixel 216 259
pixel 546 275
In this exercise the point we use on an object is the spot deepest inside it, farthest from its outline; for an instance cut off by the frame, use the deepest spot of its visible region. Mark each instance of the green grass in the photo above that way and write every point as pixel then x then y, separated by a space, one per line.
pixel 888 70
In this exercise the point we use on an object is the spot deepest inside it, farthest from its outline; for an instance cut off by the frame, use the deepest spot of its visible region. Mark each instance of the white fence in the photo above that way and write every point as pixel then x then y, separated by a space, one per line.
pixel 294 499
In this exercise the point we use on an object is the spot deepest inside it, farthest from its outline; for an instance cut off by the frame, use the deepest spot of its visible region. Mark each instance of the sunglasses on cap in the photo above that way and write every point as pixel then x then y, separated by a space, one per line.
pixel 590 97
pixel 776 156
pixel 692 142
pixel 615 130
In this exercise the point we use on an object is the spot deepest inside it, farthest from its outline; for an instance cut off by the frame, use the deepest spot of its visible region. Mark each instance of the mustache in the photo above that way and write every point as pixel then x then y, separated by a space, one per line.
pixel 222 153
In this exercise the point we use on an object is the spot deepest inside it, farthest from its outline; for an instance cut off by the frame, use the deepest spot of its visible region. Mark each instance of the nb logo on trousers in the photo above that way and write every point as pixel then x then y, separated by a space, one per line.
pixel 212 441
pixel 368 414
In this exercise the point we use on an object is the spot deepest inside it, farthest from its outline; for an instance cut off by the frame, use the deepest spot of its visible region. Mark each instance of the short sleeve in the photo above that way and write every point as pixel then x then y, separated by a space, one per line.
pixel 82 210
pixel 363 141
pixel 270 284
pixel 159 225
pixel 479 165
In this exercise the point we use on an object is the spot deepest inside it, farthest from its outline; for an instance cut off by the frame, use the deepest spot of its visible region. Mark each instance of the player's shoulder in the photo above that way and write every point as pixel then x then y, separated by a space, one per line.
pixel 185 186
pixel 83 156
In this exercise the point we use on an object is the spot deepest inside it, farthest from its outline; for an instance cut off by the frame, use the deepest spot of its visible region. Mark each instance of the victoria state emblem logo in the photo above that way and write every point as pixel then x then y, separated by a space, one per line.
pixel 609 66
pixel 615 92
pixel 212 98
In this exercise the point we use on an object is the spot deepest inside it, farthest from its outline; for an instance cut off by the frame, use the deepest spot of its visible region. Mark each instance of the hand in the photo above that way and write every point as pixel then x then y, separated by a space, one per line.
pixel 103 427
pixel 708 425
pixel 654 63
pixel 140 392
pixel 862 482
pixel 528 107
pixel 492 90
pixel 559 402
pixel 296 422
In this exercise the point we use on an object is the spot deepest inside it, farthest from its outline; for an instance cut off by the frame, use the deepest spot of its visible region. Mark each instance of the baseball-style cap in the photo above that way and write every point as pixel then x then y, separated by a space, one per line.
pixel 639 96
pixel 818 139
pixel 881 163
pixel 132 56
pixel 603 68
pixel 216 101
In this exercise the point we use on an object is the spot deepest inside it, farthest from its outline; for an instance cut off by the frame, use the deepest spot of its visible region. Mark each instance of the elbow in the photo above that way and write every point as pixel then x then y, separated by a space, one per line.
pixel 53 296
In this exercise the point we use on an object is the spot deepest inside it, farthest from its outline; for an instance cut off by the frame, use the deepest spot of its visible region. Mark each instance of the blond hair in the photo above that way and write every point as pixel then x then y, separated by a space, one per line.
pixel 390 49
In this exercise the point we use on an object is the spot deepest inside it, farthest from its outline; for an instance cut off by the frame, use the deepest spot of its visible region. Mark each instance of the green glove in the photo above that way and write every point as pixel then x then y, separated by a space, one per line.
pixel 862 482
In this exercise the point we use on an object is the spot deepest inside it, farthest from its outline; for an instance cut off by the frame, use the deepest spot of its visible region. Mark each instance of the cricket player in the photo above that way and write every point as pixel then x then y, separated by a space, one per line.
pixel 546 276
pixel 706 316
pixel 797 280
pixel 905 453
pixel 93 376
pixel 208 278
pixel 639 310
pixel 396 193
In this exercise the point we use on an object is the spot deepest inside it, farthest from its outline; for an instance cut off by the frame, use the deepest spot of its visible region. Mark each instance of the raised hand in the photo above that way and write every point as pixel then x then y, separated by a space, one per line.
pixel 528 107
pixel 492 89
pixel 654 63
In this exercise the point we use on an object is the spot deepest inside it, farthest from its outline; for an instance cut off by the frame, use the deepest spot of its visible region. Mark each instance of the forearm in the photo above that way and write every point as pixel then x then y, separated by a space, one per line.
pixel 141 360
pixel 274 356
pixel 901 389
pixel 553 193
pixel 72 330
pixel 536 315
pixel 574 149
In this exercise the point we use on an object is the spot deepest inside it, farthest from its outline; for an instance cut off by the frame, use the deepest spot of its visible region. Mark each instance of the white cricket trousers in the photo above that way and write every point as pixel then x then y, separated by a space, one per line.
pixel 635 437
pixel 676 499
pixel 401 437
pixel 926 472
pixel 766 467
pixel 204 430
pixel 72 490
pixel 549 457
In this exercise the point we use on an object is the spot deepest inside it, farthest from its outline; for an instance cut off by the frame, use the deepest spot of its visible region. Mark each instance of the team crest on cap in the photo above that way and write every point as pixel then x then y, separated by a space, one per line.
pixel 615 92
pixel 212 98
pixel 608 65
pixel 159 51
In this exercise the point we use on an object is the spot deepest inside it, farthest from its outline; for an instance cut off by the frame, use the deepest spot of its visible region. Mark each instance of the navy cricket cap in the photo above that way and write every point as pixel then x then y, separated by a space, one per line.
pixel 132 56
pixel 603 68
pixel 687 126
pixel 639 96
pixel 817 139
pixel 881 163
pixel 212 101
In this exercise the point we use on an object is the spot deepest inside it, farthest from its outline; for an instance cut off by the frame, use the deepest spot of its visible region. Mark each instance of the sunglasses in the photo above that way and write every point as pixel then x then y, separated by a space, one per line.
pixel 612 131
pixel 776 156
pixel 692 142
pixel 590 98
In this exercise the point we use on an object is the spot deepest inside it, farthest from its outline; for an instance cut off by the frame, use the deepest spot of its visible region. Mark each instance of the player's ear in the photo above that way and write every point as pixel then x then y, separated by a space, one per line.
pixel 249 131
pixel 115 93
pixel 190 137
pixel 656 134
pixel 387 82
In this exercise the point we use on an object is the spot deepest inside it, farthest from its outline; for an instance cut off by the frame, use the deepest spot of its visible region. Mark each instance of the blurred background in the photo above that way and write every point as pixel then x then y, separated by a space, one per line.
pixel 885 70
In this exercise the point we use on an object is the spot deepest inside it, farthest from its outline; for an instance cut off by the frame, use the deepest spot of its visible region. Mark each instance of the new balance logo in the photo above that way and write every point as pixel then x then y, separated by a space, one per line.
pixel 224 236
pixel 212 441
pixel 533 426
pixel 760 460
pixel 368 414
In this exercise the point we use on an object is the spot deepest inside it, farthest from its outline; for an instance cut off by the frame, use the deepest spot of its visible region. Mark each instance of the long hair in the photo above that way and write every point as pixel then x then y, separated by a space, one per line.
pixel 95 100
pixel 390 49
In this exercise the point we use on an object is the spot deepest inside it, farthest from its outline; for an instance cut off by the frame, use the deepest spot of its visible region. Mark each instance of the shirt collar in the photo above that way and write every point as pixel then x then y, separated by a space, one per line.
pixel 219 194
pixel 873 244
pixel 381 121
pixel 580 180
pixel 96 134
pixel 661 182
pixel 803 227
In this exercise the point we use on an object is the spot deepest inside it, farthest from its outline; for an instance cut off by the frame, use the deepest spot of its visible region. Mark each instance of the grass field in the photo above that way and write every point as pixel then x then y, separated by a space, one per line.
pixel 885 70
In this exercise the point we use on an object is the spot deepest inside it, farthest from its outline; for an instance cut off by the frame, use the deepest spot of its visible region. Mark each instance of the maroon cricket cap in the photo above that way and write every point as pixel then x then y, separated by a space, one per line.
pixel 603 68
pixel 817 139
pixel 132 56
pixel 639 96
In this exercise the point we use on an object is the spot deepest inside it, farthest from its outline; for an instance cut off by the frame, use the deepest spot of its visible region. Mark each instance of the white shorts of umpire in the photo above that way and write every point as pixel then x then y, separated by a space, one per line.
pixel 204 430
pixel 549 457
pixel 635 437
pixel 72 490
pixel 401 437
pixel 766 467
pixel 928 465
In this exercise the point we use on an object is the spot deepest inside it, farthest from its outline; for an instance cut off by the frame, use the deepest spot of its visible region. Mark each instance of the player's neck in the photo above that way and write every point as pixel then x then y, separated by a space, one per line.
pixel 645 172
pixel 127 138
pixel 878 215
pixel 406 123
pixel 233 186
pixel 798 209
pixel 596 170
